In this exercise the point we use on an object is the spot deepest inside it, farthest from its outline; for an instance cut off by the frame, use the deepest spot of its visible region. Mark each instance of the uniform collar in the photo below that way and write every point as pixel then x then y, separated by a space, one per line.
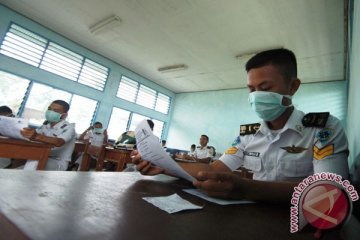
pixel 58 125
pixel 293 123
pixel 203 147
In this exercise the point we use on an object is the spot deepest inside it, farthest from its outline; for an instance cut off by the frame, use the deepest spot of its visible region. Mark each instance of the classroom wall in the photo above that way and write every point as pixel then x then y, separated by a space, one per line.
pixel 353 113
pixel 219 114
pixel 106 99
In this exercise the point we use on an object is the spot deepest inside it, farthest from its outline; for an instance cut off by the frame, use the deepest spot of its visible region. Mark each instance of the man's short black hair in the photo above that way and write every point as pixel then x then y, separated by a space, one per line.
pixel 205 136
pixel 283 59
pixel 5 110
pixel 163 141
pixel 98 123
pixel 151 124
pixel 193 146
pixel 64 104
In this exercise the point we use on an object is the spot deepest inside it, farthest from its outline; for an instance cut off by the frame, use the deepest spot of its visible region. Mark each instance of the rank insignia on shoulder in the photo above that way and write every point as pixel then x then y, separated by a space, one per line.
pixel 325 134
pixel 320 153
pixel 315 119
pixel 231 150
pixel 63 126
pixel 249 129
pixel 294 149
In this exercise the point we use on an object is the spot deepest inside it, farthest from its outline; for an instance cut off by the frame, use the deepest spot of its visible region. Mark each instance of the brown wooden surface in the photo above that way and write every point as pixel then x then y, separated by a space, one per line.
pixel 22 149
pixel 109 205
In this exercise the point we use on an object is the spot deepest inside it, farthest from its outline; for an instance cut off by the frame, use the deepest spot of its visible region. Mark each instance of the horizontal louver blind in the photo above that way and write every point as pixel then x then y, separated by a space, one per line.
pixel 146 97
pixel 62 62
pixel 93 75
pixel 127 89
pixel 162 103
pixel 23 45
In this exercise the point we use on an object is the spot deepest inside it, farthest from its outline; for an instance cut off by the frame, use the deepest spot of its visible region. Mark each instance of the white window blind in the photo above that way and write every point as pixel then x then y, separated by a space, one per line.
pixel 127 89
pixel 26 46
pixel 93 75
pixel 23 45
pixel 62 61
pixel 146 97
pixel 162 103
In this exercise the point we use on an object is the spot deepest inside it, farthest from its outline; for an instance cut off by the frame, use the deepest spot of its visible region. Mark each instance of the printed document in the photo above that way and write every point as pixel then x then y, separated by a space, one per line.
pixel 10 127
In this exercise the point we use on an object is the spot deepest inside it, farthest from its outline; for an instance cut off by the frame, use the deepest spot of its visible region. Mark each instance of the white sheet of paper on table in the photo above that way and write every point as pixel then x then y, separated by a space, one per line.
pixel 150 149
pixel 171 204
pixel 219 201
pixel 10 127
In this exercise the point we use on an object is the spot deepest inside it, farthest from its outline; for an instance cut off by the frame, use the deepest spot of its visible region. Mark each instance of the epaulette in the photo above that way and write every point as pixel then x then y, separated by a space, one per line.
pixel 63 126
pixel 198 147
pixel 317 120
pixel 45 122
pixel 249 129
pixel 208 147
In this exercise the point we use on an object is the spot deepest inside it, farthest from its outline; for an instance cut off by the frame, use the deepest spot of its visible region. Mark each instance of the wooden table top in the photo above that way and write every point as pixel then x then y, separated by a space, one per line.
pixel 109 205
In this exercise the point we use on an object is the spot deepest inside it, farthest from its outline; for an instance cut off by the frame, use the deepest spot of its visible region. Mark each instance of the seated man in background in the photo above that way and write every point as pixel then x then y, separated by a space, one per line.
pixel 192 150
pixel 96 136
pixel 201 154
pixel 57 132
pixel 7 112
pixel 285 148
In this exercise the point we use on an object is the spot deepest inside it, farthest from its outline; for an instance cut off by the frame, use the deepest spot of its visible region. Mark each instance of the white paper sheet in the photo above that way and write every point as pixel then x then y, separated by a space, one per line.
pixel 10 127
pixel 150 149
pixel 219 201
pixel 171 204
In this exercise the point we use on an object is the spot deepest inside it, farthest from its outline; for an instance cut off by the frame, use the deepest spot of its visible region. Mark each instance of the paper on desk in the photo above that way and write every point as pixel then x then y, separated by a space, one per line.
pixel 10 127
pixel 150 149
pixel 171 204
pixel 219 201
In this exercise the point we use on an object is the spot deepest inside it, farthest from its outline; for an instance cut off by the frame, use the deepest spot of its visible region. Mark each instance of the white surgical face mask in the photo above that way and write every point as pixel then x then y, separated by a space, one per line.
pixel 268 105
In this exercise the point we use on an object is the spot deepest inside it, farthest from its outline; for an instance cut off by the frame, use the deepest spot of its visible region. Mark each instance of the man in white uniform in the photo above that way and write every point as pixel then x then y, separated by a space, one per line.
pixel 201 154
pixel 285 148
pixel 56 131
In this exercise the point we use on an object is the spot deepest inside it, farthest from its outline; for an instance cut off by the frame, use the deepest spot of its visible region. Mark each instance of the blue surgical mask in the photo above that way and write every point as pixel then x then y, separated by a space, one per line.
pixel 268 105
pixel 52 116
pixel 98 130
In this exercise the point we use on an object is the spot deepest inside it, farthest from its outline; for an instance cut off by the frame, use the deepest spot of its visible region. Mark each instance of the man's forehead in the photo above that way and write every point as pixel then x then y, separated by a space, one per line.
pixel 55 106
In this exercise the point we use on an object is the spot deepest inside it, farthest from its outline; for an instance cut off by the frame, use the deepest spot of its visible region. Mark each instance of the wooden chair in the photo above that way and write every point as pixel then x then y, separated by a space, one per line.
pixel 92 151
pixel 118 156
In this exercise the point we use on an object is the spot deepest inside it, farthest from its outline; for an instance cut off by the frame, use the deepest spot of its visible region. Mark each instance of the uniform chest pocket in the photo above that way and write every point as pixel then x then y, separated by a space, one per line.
pixel 296 167
pixel 252 163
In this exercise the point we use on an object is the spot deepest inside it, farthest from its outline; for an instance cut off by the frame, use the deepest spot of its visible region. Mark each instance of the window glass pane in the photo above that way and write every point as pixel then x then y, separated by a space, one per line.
pixel 118 123
pixel 62 61
pixel 127 89
pixel 146 97
pixel 23 45
pixel 158 128
pixel 162 103
pixel 135 120
pixel 39 99
pixel 12 90
pixel 93 75
pixel 81 112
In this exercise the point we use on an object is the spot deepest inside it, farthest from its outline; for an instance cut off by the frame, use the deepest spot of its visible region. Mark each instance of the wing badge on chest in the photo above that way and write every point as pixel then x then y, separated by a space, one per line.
pixel 293 149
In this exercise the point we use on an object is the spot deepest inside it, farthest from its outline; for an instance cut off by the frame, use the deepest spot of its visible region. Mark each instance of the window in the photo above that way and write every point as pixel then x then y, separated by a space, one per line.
pixel 162 103
pixel 26 46
pixel 146 97
pixel 23 45
pixel 62 62
pixel 132 91
pixel 127 89
pixel 135 120
pixel 9 85
pixel 118 123
pixel 158 128
pixel 81 112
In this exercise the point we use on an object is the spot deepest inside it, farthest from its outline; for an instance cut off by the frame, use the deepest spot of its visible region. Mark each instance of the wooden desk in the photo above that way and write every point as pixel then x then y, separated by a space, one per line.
pixel 21 149
pixel 88 205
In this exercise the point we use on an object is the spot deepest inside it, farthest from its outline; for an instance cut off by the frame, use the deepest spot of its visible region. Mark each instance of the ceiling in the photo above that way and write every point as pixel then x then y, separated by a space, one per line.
pixel 205 35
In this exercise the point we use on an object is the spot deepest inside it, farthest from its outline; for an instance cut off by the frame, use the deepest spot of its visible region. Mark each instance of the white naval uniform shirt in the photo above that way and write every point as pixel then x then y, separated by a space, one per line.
pixel 64 130
pixel 293 153
pixel 95 139
pixel 202 153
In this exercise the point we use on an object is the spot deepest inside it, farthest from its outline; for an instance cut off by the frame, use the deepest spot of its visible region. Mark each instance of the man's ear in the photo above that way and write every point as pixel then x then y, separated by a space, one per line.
pixel 64 116
pixel 294 86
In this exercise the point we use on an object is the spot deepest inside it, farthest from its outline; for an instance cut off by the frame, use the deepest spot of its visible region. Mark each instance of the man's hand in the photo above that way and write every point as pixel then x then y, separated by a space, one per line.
pixel 143 166
pixel 29 133
pixel 220 184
